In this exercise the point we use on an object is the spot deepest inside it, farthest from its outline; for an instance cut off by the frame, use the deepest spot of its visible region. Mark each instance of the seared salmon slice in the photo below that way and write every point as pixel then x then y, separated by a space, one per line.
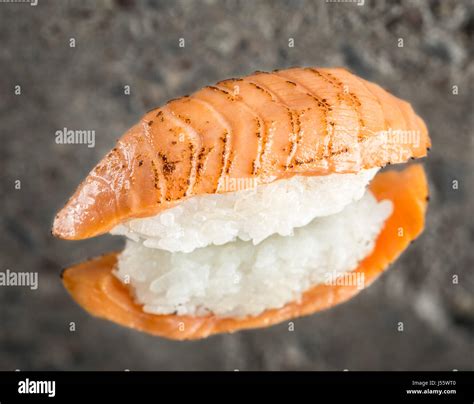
pixel 264 127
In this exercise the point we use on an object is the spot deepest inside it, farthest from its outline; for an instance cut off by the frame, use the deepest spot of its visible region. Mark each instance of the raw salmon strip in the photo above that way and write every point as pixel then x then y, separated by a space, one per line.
pixel 93 285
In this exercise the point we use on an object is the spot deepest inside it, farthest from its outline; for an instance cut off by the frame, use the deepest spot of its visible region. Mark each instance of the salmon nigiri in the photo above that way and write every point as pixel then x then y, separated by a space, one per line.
pixel 249 202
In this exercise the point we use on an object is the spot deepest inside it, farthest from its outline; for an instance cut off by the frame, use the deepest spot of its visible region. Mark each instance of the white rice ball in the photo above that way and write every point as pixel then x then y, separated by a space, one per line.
pixel 239 278
pixel 249 215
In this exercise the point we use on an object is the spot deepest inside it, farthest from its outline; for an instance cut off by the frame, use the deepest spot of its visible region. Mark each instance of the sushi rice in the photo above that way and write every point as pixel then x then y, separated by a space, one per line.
pixel 275 208
pixel 241 253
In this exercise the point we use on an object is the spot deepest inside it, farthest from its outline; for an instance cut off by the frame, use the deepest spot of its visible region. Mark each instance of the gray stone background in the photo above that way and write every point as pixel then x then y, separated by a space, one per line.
pixel 136 43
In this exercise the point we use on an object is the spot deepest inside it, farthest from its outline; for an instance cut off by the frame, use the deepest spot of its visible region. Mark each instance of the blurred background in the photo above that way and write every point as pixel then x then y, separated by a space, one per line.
pixel 136 43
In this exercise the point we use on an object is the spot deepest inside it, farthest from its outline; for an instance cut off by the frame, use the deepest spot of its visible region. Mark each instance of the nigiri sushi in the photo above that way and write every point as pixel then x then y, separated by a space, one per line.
pixel 250 202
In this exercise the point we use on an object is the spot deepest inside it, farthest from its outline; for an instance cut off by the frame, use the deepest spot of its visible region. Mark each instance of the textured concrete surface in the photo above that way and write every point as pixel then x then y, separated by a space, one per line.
pixel 135 43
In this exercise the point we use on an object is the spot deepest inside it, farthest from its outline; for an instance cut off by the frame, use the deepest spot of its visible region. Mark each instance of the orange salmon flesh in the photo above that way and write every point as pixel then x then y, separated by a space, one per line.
pixel 97 290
